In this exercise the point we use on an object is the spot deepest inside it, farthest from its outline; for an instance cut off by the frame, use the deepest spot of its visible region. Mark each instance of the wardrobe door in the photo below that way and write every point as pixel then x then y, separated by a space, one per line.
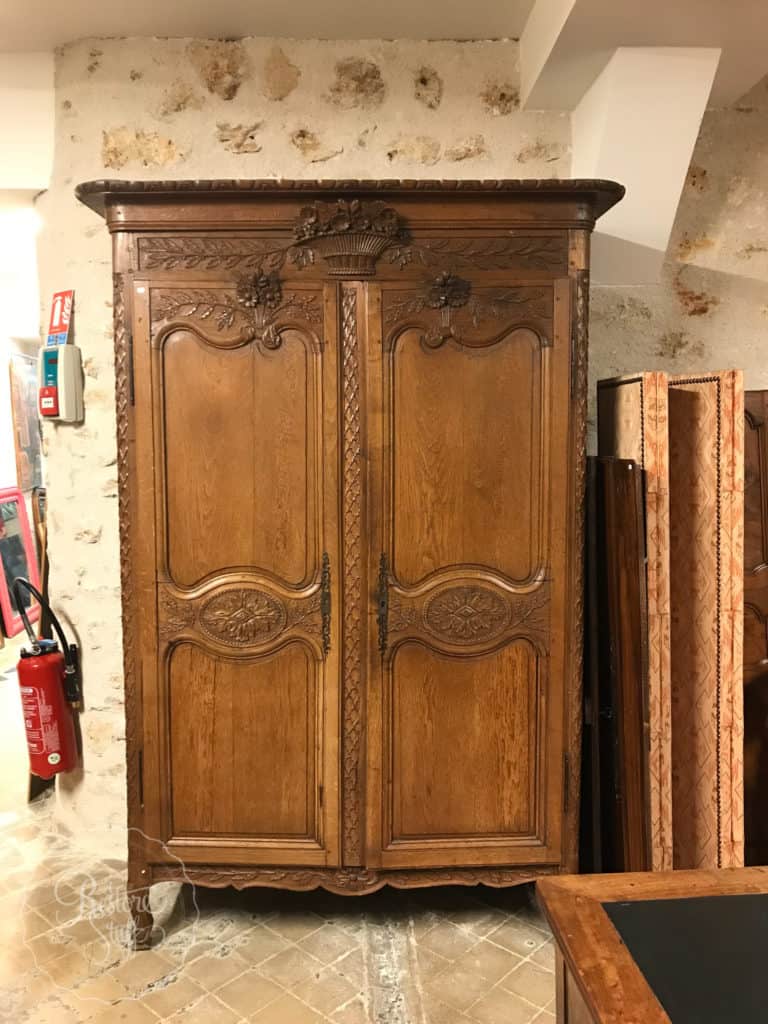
pixel 468 398
pixel 237 552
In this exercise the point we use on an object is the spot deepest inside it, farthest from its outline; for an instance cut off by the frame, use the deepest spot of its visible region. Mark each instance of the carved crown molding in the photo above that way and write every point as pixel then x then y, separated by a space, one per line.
pixel 600 193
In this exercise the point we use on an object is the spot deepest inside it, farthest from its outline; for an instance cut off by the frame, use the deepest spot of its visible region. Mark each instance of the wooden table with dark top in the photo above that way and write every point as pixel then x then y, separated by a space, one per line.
pixel 690 947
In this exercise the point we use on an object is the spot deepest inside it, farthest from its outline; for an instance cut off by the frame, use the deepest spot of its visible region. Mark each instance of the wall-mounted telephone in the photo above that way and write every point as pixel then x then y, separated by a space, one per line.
pixel 60 384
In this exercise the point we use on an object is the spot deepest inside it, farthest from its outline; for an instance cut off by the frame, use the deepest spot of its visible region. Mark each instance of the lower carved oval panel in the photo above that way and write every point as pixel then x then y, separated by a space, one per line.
pixel 466 615
pixel 243 617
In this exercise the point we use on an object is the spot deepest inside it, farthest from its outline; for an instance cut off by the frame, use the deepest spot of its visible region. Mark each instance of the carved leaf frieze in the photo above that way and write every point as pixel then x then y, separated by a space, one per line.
pixel 535 251
pixel 190 252
pixel 257 306
pixel 350 237
pixel 484 305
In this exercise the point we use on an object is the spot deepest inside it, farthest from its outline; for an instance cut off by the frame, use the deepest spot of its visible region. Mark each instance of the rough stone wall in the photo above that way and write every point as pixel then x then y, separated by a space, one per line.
pixel 709 311
pixel 148 108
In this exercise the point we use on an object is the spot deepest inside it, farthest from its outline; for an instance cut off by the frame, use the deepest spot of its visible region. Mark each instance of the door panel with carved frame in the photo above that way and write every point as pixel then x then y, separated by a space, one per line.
pixel 236 450
pixel 467 521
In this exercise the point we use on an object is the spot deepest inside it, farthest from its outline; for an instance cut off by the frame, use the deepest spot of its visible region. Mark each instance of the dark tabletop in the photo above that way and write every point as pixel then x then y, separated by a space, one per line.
pixel 706 958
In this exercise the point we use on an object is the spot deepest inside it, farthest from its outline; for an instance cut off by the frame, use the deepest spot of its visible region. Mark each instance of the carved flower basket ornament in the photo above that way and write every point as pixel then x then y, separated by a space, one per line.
pixel 349 235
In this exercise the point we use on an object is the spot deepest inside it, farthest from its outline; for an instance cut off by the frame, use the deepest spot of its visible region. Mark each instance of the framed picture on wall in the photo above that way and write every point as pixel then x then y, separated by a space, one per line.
pixel 17 555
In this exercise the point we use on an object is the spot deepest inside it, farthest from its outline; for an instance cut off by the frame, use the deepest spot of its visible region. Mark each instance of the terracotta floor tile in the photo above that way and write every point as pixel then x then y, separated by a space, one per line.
pixel 532 982
pixel 437 1012
pixel 545 1017
pixel 53 1011
pixel 500 1007
pixel 518 937
pixel 287 1010
pixel 208 1011
pixel 142 969
pixel 44 948
pixel 545 956
pixel 354 1012
pixel 429 964
pixel 28 990
pixel 68 970
pixel 290 967
pixel 93 997
pixel 448 940
pixel 249 992
pixel 352 967
pixel 424 922
pixel 259 944
pixel 533 916
pixel 27 926
pixel 169 999
pixel 487 961
pixel 329 943
pixel 479 920
pixel 213 971
pixel 128 1012
pixel 327 991
pixel 458 988
pixel 295 927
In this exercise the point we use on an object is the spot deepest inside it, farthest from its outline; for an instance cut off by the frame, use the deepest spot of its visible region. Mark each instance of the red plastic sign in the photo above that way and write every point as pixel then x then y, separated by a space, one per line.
pixel 61 316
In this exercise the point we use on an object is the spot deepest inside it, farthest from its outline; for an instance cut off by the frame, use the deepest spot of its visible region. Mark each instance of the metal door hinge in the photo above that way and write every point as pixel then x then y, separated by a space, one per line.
pixel 382 601
pixel 325 602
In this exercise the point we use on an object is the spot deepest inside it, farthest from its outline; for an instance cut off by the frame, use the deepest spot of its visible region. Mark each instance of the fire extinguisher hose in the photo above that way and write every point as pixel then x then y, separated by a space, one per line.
pixel 70 652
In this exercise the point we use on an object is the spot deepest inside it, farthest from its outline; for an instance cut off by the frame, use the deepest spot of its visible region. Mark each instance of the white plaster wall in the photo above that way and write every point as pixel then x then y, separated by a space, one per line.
pixel 147 108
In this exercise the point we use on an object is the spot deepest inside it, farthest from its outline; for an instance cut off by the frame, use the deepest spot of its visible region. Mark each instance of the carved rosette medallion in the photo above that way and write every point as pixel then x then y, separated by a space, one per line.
pixel 243 617
pixel 466 615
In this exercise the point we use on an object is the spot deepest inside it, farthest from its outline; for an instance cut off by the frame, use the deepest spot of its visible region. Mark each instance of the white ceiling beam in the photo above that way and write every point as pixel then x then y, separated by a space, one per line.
pixel 638 124
pixel 566 43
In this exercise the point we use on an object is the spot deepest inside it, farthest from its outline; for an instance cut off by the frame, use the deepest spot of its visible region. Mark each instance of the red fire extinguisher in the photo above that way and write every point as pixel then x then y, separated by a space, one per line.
pixel 50 692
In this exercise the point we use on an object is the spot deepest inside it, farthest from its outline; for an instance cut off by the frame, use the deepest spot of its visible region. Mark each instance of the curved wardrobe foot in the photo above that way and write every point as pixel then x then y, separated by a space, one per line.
pixel 141 914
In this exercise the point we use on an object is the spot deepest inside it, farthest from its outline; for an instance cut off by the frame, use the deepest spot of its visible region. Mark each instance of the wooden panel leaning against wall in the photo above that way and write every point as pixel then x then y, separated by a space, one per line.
pixel 617 836
pixel 351 430
pixel 756 627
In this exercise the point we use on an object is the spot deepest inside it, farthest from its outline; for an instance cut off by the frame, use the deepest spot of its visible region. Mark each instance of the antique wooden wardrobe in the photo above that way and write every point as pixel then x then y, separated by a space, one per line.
pixel 351 435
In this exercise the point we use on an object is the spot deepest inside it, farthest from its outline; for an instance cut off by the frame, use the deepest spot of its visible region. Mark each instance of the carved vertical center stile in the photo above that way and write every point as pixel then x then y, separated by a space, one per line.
pixel 132 705
pixel 351 579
